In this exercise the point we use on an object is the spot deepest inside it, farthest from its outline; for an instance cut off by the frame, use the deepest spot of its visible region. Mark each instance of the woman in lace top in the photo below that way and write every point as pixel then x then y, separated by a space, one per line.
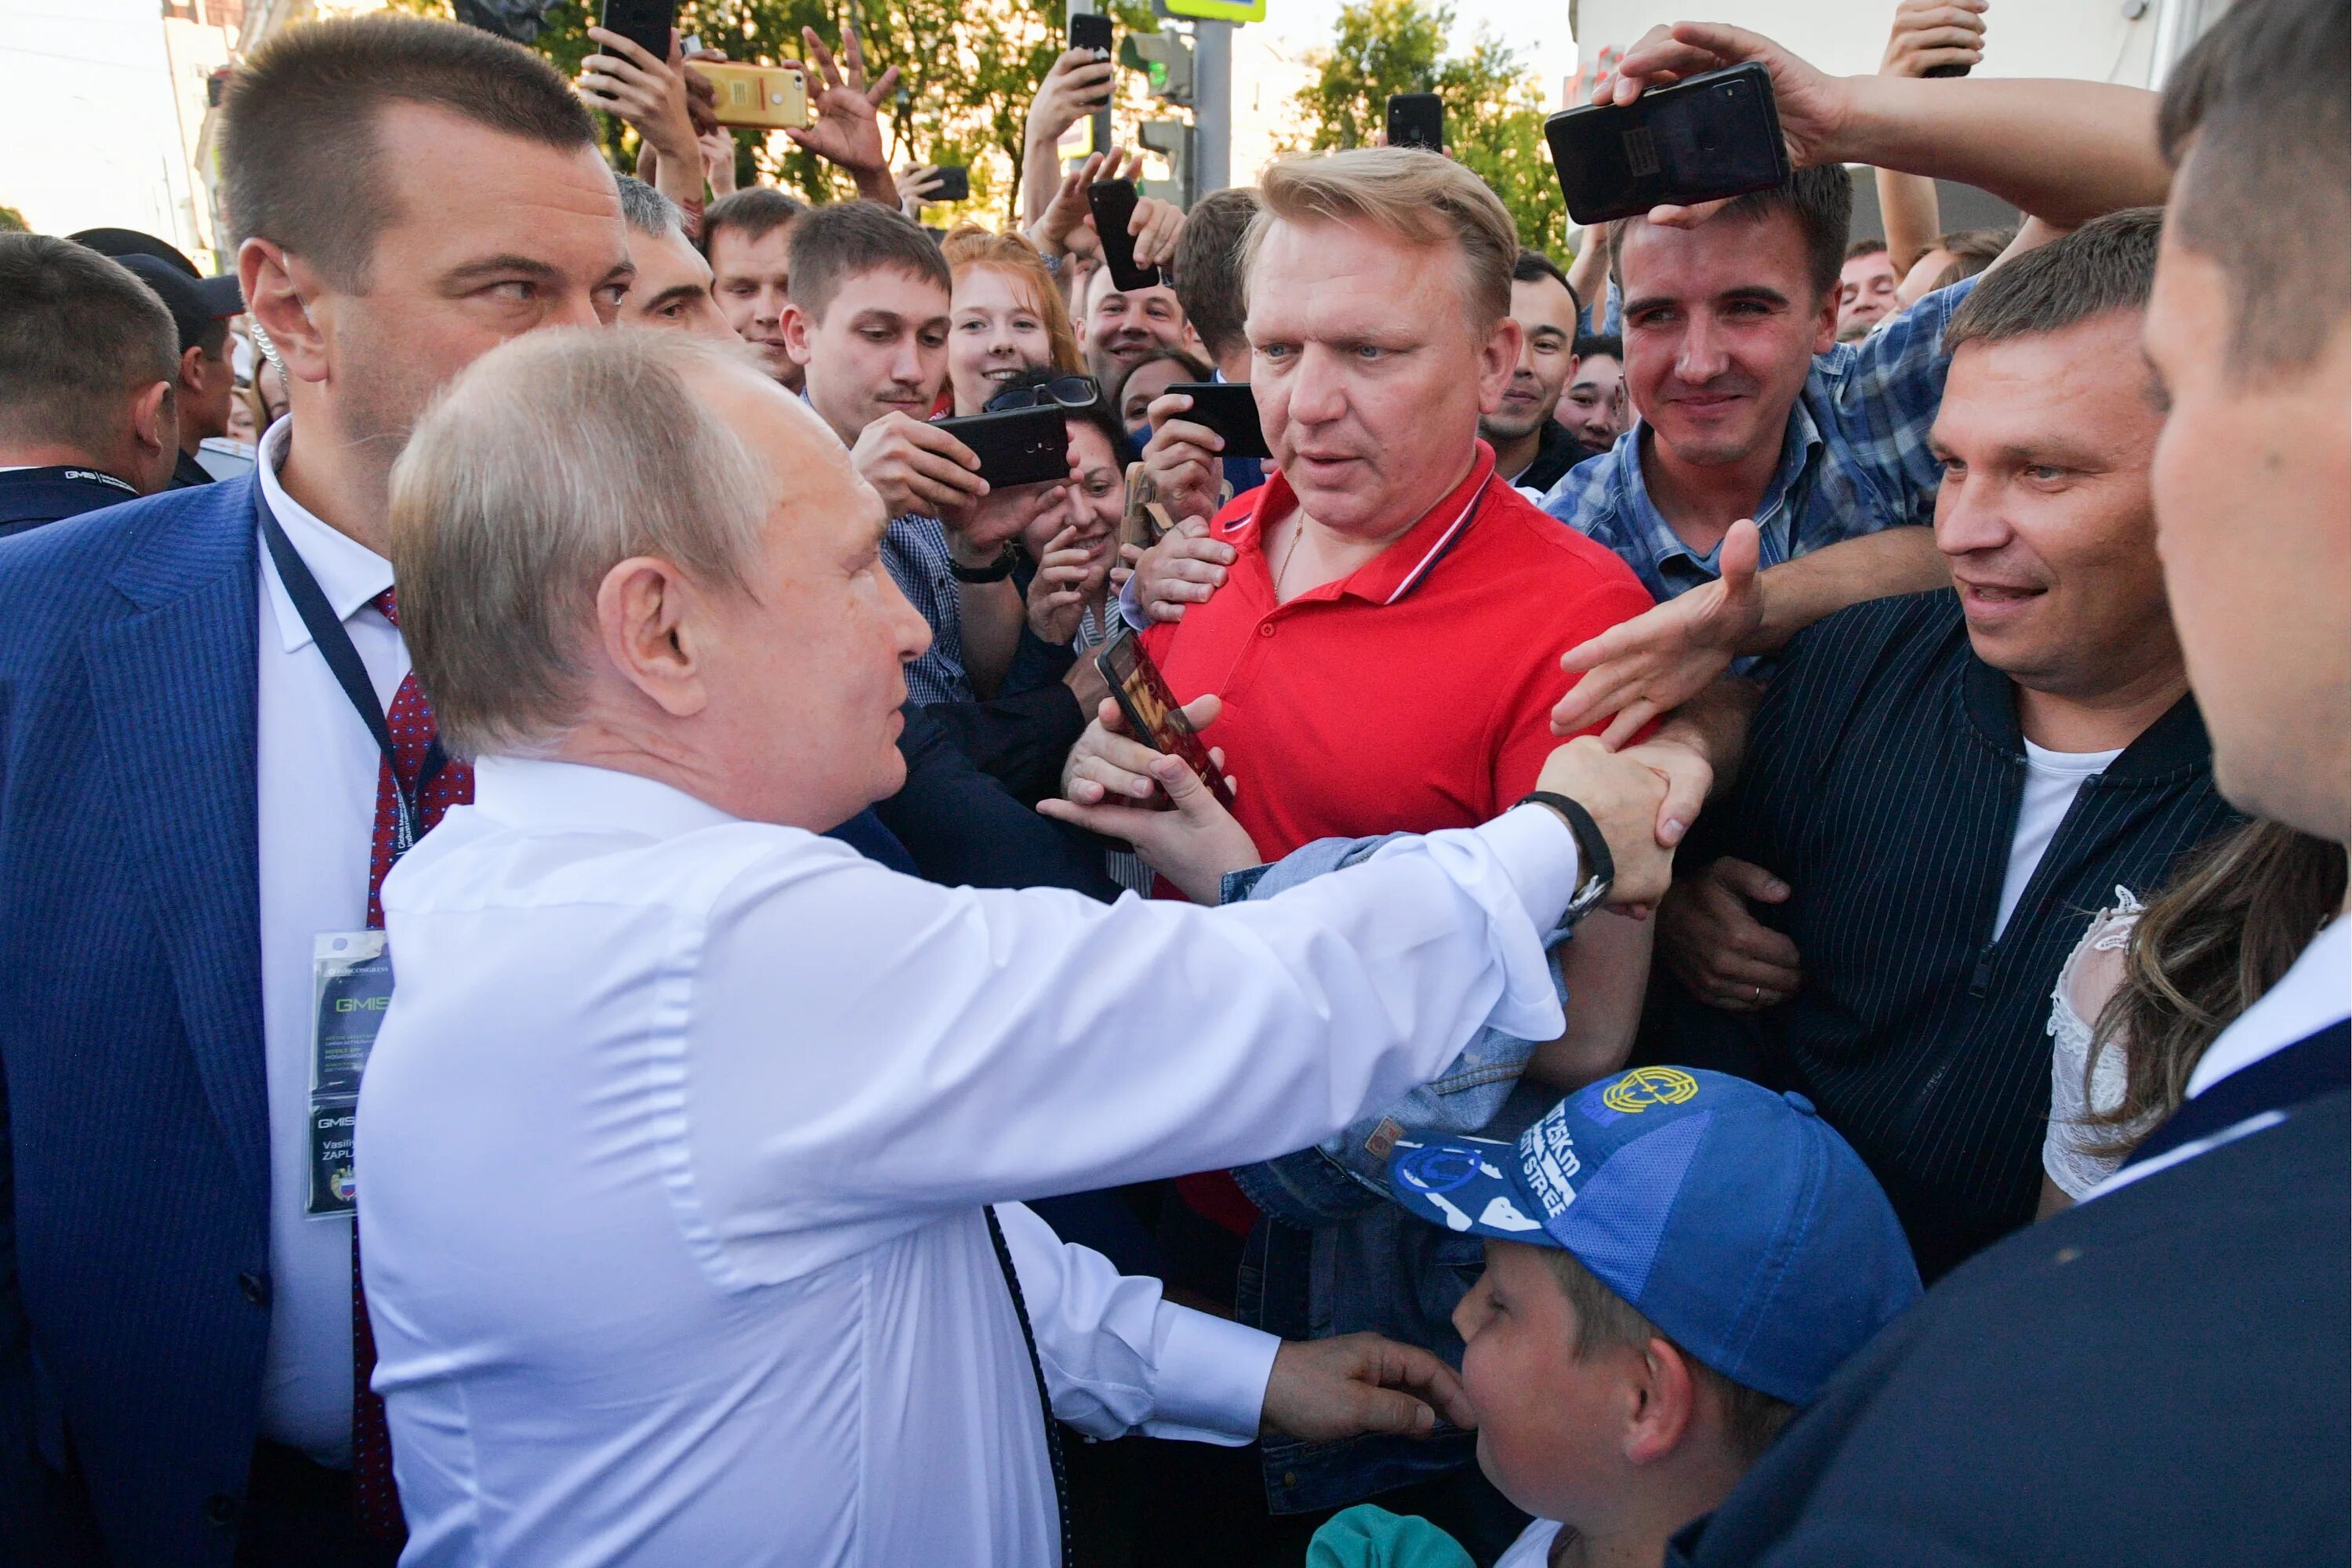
pixel 2148 989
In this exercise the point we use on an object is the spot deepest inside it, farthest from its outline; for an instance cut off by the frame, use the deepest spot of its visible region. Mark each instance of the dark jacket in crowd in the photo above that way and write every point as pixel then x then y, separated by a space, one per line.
pixel 1882 783
pixel 1020 740
pixel 1558 452
pixel 187 473
pixel 31 497
pixel 963 829
pixel 2155 1377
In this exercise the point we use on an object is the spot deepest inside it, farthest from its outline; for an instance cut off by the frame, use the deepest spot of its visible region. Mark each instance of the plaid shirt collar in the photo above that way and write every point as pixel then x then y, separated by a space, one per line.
pixel 1637 530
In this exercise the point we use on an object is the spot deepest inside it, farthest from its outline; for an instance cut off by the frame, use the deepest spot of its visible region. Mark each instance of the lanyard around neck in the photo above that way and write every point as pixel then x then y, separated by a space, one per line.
pixel 326 629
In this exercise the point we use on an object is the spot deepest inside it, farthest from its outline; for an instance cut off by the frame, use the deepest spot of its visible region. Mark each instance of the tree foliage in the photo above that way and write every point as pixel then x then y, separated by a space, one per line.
pixel 1494 105
pixel 966 74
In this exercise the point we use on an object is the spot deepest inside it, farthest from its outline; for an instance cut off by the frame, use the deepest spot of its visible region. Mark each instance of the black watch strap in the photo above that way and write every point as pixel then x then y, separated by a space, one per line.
pixel 996 571
pixel 1593 856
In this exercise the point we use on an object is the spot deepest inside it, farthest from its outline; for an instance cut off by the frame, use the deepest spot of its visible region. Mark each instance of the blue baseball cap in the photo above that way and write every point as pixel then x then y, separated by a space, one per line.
pixel 1732 1217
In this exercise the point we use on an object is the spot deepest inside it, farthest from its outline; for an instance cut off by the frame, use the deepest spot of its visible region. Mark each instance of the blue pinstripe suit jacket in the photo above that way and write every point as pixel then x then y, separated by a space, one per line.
pixel 134 1181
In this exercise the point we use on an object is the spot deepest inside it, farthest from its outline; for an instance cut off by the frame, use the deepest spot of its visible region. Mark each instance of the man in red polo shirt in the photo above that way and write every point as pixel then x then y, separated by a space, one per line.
pixel 1387 642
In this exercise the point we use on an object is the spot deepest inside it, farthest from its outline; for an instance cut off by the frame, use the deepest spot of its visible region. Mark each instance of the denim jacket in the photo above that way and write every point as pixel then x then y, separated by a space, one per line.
pixel 1333 1256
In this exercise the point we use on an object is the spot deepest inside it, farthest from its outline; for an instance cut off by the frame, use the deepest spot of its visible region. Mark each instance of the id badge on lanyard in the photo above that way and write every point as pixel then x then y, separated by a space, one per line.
pixel 350 987
pixel 351 970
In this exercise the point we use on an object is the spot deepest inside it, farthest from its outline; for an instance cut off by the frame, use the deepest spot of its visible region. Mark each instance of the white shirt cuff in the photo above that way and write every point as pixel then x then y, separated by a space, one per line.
pixel 1539 853
pixel 1210 1377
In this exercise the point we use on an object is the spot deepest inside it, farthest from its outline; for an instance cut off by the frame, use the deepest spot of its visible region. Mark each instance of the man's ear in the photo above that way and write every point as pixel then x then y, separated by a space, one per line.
pixel 646 622
pixel 1825 323
pixel 155 421
pixel 1499 361
pixel 279 295
pixel 1666 1402
pixel 195 368
pixel 798 328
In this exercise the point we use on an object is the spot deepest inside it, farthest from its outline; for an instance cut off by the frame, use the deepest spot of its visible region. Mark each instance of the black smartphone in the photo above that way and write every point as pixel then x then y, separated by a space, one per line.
pixel 1017 447
pixel 645 23
pixel 1946 70
pixel 1113 204
pixel 1708 136
pixel 1153 715
pixel 1230 409
pixel 1417 119
pixel 1091 30
pixel 954 185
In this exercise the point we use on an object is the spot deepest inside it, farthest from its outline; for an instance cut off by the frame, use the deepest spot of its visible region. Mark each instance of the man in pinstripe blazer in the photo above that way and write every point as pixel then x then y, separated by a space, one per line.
pixel 1940 788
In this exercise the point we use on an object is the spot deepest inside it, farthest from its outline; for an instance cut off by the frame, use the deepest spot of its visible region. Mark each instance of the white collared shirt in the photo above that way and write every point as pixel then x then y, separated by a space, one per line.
pixel 314 790
pixel 672 1147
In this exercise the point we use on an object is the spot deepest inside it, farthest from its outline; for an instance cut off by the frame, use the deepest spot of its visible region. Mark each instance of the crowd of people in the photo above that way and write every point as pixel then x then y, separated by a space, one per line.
pixel 1754 970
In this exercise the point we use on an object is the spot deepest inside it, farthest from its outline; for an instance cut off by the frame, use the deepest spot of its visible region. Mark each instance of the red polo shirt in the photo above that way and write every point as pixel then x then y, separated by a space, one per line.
pixel 1412 695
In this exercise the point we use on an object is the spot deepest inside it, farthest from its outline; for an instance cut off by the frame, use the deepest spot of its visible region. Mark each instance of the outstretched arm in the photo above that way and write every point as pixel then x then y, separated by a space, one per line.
pixel 1994 134
pixel 1662 658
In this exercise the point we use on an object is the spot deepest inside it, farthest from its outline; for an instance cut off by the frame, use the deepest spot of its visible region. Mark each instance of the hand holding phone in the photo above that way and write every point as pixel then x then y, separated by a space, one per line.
pixel 1016 445
pixel 1702 138
pixel 1152 713
pixel 1229 408
pixel 1112 202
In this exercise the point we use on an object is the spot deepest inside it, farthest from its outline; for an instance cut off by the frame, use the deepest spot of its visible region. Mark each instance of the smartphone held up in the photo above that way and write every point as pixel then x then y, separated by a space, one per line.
pixel 1152 713
pixel 1702 138
pixel 1112 202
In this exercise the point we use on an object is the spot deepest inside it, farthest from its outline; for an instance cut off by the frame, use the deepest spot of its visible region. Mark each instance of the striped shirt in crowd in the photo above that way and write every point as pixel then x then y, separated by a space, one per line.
pixel 1883 779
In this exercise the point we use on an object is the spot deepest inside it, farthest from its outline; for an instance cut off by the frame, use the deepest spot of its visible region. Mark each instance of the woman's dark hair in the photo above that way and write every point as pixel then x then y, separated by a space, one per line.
pixel 1193 371
pixel 2235 915
pixel 1097 414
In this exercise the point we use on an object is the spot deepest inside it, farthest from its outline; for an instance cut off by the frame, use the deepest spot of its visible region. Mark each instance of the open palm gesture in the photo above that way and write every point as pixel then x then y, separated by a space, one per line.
pixel 848 129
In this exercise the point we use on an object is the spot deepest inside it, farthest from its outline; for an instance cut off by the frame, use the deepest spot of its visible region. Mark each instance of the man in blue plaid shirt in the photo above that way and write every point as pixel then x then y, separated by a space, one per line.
pixel 1773 475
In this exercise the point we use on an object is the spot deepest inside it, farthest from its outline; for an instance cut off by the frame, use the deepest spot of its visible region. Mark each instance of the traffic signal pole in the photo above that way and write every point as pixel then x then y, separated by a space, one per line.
pixel 1213 105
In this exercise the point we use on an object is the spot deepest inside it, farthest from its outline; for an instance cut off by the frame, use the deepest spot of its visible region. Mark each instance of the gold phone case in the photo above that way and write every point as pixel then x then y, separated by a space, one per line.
pixel 767 97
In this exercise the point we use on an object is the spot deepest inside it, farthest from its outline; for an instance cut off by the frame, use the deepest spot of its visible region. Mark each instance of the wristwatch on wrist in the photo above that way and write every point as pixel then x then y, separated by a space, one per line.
pixel 1592 858
pixel 996 571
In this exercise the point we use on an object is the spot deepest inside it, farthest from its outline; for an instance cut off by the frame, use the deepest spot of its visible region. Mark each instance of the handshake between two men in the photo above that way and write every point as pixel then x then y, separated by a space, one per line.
pixel 1643 798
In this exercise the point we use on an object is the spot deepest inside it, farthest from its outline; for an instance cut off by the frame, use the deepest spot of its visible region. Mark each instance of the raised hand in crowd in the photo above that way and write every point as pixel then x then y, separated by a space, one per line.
pixel 1653 664
pixel 916 467
pixel 1183 458
pixel 1184 568
pixel 654 97
pixel 1069 575
pixel 1928 34
pixel 1721 952
pixel 916 183
pixel 1114 784
pixel 719 159
pixel 1066 227
pixel 1326 1390
pixel 848 128
pixel 1811 103
pixel 1076 86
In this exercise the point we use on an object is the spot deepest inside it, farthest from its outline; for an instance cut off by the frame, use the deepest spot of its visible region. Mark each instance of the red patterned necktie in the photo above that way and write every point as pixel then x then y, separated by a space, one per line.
pixel 410 719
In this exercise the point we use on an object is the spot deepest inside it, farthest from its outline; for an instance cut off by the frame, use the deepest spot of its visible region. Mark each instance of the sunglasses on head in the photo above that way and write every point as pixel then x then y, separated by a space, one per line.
pixel 1063 391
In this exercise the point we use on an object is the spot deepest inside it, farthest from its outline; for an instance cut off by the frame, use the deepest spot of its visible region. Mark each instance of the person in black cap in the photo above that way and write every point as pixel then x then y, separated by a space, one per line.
pixel 200 308
pixel 89 409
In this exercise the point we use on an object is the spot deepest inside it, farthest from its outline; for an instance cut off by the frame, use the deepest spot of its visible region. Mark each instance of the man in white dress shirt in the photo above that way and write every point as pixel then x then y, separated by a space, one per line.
pixel 676 1143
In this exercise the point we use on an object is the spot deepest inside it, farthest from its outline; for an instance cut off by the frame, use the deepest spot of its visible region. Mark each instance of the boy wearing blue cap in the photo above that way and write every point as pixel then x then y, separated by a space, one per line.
pixel 1675 1260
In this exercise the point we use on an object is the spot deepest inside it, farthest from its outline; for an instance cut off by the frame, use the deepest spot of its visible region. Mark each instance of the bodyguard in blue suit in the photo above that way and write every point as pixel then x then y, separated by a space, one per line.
pixel 191 794
pixel 134 1256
